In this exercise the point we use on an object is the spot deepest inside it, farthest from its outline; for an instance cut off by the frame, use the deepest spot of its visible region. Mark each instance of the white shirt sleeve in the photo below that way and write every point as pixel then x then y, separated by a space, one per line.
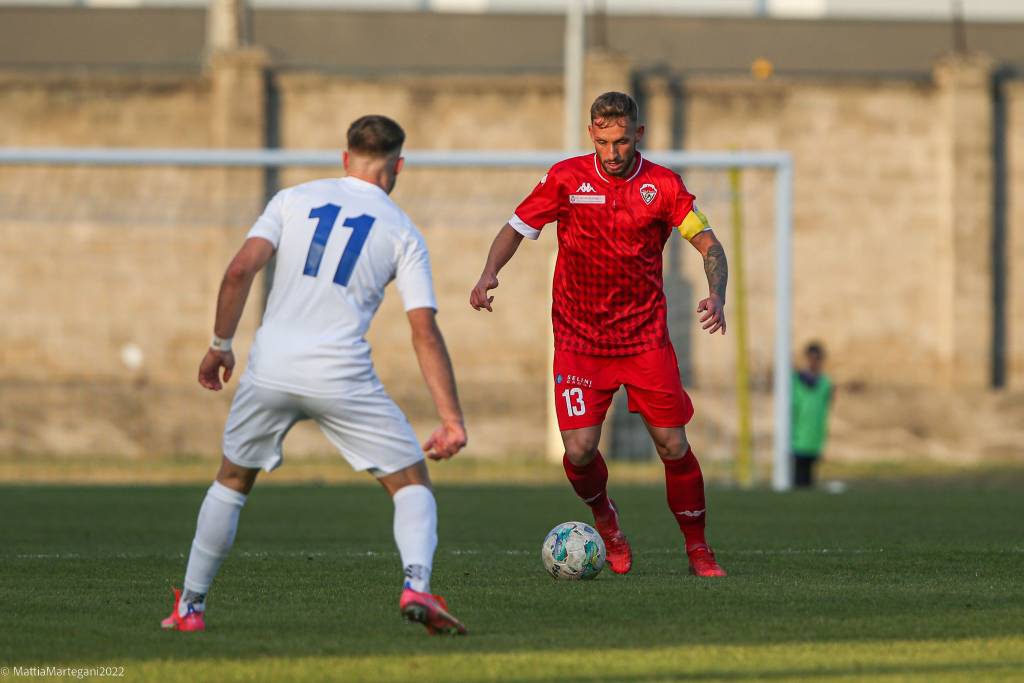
pixel 413 277
pixel 270 225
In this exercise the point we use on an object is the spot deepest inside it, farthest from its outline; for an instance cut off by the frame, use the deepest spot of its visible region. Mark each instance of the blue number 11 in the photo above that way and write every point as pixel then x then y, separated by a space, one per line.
pixel 326 216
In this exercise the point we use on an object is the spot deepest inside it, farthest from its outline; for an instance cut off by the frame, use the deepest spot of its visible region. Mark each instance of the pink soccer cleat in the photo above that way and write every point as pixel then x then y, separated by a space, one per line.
pixel 192 621
pixel 617 551
pixel 703 563
pixel 431 611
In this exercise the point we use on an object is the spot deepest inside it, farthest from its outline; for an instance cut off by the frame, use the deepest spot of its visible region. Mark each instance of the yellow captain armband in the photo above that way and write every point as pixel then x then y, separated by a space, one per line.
pixel 694 224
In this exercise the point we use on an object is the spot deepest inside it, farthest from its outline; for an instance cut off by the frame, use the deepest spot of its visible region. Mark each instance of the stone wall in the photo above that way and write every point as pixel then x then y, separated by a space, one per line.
pixel 98 261
pixel 867 253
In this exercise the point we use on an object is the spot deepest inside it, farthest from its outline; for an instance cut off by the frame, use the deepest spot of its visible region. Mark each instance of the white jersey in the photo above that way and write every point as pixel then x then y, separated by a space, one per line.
pixel 339 243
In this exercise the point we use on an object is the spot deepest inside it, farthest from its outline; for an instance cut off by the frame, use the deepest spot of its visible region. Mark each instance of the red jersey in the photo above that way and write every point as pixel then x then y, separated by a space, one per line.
pixel 608 296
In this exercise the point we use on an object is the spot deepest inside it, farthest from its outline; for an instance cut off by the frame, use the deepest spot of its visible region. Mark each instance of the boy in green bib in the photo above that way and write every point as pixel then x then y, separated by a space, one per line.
pixel 812 396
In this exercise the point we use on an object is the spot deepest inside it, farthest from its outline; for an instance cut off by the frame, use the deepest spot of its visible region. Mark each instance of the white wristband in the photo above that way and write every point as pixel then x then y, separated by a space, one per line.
pixel 219 344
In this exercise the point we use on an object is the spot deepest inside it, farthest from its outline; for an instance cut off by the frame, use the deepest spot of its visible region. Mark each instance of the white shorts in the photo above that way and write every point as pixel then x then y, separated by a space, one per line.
pixel 368 429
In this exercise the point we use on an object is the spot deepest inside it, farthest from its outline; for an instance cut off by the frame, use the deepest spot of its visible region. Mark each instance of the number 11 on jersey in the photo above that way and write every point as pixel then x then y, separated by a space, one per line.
pixel 327 216
pixel 574 404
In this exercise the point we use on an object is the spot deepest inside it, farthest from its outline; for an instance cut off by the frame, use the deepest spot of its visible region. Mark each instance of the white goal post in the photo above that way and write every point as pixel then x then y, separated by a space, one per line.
pixel 779 162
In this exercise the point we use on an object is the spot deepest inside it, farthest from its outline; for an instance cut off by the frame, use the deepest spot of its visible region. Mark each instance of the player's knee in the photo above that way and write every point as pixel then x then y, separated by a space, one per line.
pixel 581 452
pixel 414 475
pixel 581 445
pixel 235 477
pixel 672 446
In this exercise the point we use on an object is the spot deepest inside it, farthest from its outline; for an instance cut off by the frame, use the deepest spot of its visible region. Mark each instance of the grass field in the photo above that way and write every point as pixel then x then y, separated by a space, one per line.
pixel 896 583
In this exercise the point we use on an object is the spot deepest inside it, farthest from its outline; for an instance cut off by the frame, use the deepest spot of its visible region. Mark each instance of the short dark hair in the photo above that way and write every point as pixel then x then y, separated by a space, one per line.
pixel 375 135
pixel 815 348
pixel 612 106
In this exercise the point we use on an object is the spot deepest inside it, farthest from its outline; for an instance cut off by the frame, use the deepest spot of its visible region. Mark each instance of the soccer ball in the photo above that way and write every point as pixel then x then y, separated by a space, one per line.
pixel 573 551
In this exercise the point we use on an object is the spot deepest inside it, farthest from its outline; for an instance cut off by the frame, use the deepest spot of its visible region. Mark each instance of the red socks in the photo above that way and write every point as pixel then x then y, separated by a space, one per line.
pixel 590 482
pixel 684 488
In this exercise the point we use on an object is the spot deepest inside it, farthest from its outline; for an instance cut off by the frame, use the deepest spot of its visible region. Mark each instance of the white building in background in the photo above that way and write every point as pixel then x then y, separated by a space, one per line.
pixel 974 10
pixel 938 10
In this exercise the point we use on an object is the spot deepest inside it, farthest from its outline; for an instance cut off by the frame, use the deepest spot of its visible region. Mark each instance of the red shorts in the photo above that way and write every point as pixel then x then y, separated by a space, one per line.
pixel 584 386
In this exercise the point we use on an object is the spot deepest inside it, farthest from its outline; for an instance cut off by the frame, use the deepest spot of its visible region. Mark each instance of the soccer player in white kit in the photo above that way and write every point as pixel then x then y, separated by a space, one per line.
pixel 338 243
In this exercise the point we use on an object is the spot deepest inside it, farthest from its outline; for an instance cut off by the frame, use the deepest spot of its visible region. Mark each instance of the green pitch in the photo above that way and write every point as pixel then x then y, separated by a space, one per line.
pixel 894 583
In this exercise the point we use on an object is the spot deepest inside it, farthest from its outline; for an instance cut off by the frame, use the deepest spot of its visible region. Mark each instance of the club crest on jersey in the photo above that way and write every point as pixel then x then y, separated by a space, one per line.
pixel 648 192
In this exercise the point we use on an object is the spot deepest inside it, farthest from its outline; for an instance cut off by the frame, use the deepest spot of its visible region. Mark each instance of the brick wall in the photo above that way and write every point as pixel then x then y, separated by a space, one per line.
pixel 99 259
pixel 866 249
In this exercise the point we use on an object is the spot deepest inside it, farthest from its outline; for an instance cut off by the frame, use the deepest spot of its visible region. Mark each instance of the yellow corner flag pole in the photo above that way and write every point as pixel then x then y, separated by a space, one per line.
pixel 744 446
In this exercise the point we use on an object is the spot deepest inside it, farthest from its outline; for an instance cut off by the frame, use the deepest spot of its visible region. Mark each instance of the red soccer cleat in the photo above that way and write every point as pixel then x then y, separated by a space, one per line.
pixel 431 611
pixel 703 563
pixel 192 621
pixel 617 551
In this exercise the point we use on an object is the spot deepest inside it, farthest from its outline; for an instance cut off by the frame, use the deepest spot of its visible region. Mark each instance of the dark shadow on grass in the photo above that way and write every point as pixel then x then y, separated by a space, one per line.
pixel 868 671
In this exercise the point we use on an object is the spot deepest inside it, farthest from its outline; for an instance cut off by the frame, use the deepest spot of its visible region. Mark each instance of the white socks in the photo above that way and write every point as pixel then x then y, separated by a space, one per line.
pixel 215 533
pixel 415 529
pixel 416 533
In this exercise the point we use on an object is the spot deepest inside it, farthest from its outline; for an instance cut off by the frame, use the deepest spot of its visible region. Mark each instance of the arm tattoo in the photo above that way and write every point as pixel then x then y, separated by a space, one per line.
pixel 717 270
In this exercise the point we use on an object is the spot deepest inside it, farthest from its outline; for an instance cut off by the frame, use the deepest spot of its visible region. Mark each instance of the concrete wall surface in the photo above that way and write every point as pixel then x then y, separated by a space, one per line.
pixel 892 249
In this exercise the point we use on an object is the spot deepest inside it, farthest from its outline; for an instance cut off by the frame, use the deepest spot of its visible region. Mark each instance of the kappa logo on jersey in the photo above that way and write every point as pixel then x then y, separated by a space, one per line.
pixel 648 192
pixel 544 179
pixel 582 195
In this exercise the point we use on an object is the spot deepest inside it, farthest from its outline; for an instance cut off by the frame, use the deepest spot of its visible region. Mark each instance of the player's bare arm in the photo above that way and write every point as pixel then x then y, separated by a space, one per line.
pixel 716 267
pixel 505 244
pixel 234 290
pixel 436 366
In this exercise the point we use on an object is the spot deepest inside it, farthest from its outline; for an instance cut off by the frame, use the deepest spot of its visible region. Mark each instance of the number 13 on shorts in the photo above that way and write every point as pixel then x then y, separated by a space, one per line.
pixel 574 405
pixel 584 387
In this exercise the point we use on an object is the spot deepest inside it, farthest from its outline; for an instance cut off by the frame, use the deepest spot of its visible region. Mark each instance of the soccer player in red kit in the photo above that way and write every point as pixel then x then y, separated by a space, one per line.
pixel 615 212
